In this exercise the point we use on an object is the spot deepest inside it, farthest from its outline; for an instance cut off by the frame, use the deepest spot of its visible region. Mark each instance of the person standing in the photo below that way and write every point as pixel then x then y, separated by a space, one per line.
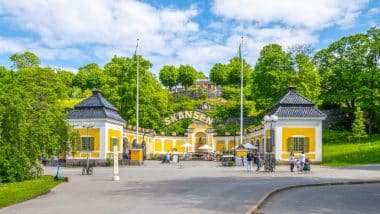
pixel 258 161
pixel 249 161
pixel 292 161
pixel 302 161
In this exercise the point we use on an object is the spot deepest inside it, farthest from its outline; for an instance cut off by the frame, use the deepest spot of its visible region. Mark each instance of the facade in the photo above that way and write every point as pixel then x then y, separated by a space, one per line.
pixel 99 126
pixel 296 127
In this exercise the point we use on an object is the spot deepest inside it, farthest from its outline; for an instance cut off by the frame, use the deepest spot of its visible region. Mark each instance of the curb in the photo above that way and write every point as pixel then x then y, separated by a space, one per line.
pixel 263 200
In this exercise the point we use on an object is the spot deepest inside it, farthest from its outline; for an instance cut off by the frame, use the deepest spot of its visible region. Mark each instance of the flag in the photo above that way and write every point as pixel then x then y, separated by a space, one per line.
pixel 137 46
pixel 239 49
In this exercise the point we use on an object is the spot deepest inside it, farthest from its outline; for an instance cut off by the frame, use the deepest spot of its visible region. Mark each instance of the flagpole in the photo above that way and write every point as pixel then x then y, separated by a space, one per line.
pixel 137 93
pixel 241 93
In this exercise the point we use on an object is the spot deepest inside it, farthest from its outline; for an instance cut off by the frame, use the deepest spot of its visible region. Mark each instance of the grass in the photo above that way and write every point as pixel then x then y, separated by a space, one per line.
pixel 339 149
pixel 11 193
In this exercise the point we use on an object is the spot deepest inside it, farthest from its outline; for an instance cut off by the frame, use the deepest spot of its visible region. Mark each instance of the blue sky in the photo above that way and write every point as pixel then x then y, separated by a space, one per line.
pixel 68 34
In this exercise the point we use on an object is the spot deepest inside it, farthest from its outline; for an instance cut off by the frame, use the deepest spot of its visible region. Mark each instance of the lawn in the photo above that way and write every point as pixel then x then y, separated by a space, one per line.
pixel 339 149
pixel 11 193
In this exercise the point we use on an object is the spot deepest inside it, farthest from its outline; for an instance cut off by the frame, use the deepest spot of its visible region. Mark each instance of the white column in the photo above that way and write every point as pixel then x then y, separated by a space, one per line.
pixel 318 142
pixel 278 142
pixel 115 164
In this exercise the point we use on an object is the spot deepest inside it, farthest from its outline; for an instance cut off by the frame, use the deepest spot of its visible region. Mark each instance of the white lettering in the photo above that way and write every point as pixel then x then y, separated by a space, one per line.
pixel 167 121
pixel 180 115
pixel 209 121
pixel 173 118
pixel 196 115
pixel 203 117
pixel 188 114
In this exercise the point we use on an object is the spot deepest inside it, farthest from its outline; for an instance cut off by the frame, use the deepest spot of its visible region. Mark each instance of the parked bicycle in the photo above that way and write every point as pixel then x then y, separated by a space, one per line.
pixel 269 163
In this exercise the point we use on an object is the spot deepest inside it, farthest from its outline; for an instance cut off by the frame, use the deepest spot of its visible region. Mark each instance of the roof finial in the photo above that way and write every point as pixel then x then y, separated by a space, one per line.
pixel 292 88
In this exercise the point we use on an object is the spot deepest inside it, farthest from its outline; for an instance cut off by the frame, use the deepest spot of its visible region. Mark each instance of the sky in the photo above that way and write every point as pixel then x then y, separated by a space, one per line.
pixel 67 34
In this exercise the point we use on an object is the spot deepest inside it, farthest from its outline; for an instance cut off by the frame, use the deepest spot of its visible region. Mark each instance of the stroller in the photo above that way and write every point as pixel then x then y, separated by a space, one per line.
pixel 306 166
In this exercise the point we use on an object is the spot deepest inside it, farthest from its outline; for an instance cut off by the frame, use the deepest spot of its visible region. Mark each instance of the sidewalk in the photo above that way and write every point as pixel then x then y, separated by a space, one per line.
pixel 187 187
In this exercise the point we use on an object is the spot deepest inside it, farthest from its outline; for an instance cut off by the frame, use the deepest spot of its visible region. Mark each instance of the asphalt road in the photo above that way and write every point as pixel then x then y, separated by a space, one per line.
pixel 191 187
pixel 346 199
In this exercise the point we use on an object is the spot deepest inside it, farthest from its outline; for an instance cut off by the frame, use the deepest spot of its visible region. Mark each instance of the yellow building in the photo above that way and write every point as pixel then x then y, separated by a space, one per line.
pixel 99 126
pixel 293 125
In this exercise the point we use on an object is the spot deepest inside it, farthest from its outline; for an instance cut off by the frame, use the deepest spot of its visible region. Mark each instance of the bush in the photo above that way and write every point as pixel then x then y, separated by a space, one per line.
pixel 109 162
pixel 15 165
pixel 231 163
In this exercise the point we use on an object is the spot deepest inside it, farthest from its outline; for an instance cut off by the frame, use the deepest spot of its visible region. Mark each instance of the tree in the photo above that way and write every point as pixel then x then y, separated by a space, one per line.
pixel 309 83
pixel 169 76
pixel 187 75
pixel 358 127
pixel 234 71
pixel 273 74
pixel 24 60
pixel 344 72
pixel 89 76
pixel 372 98
pixel 120 89
pixel 219 74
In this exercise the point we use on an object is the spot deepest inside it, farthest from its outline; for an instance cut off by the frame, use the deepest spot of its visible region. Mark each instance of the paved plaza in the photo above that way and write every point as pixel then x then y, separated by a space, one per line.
pixel 188 187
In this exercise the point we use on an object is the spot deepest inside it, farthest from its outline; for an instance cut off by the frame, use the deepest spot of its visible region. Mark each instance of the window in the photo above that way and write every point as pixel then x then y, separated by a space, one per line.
pixel 87 144
pixel 113 142
pixel 298 144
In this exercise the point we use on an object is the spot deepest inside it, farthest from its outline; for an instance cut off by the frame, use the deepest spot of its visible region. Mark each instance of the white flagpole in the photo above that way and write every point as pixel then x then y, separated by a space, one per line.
pixel 241 93
pixel 137 93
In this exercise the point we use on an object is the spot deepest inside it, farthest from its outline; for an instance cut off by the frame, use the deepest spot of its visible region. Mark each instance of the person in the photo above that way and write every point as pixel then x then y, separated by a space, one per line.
pixel 167 157
pixel 258 161
pixel 249 161
pixel 302 161
pixel 291 161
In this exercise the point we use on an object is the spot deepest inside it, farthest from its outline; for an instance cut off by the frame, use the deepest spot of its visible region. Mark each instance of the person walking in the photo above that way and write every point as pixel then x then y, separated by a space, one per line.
pixel 292 161
pixel 258 161
pixel 302 161
pixel 249 161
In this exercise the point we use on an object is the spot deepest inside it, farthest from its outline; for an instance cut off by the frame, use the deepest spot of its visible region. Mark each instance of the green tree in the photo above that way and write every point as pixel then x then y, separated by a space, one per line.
pixel 344 72
pixel 120 89
pixel 169 76
pixel 187 75
pixel 358 127
pixel 219 74
pixel 234 71
pixel 372 97
pixel 273 74
pixel 309 83
pixel 24 60
pixel 89 76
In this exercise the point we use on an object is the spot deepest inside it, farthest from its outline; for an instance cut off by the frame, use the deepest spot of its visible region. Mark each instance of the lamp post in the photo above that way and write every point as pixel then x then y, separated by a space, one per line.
pixel 271 119
pixel 87 125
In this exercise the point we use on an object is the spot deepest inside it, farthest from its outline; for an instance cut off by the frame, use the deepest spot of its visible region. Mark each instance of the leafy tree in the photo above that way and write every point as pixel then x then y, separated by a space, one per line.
pixel 371 99
pixel 120 89
pixel 219 74
pixel 169 76
pixel 187 75
pixel 234 71
pixel 90 76
pixel 358 127
pixel 309 83
pixel 24 60
pixel 344 71
pixel 201 75
pixel 273 74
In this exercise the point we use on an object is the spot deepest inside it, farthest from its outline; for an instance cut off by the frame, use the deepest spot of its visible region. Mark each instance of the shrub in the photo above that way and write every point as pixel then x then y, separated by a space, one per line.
pixel 15 165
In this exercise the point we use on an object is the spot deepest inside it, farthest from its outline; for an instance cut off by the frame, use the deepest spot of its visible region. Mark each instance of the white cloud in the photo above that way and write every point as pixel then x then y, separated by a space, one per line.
pixel 312 14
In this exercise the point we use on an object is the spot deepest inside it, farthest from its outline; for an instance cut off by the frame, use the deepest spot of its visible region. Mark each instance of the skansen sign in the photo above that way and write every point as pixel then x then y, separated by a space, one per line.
pixel 188 114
